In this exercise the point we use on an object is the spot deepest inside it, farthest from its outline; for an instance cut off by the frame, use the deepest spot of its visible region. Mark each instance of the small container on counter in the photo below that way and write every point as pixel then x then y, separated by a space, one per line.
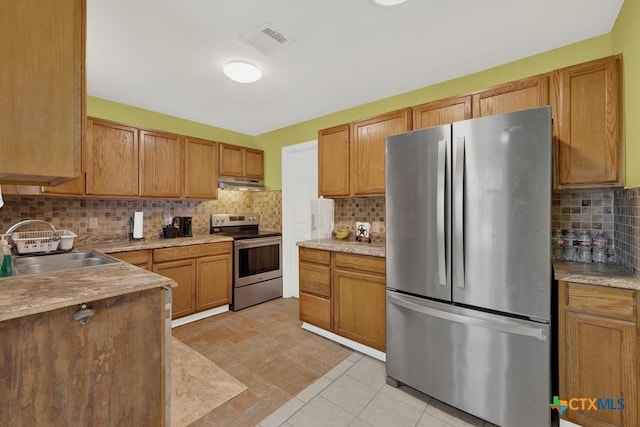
pixel 599 254
pixel 570 251
pixel 557 245
pixel 584 253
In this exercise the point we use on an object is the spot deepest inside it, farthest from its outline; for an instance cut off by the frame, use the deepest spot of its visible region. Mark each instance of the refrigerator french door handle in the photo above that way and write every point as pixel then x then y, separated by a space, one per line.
pixel 440 216
pixel 458 213
pixel 497 325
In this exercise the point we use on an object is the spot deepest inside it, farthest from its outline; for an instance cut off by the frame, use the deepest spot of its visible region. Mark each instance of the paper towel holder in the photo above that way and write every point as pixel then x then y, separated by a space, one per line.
pixel 136 220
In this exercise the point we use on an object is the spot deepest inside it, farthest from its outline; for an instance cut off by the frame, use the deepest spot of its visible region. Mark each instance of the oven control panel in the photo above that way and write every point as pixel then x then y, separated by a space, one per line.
pixel 222 220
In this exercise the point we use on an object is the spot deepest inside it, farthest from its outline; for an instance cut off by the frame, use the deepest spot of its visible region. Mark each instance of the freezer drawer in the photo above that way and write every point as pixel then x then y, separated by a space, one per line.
pixel 493 367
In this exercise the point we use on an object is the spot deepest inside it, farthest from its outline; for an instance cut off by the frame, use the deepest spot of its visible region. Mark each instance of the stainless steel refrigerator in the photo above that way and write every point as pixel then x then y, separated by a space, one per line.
pixel 468 217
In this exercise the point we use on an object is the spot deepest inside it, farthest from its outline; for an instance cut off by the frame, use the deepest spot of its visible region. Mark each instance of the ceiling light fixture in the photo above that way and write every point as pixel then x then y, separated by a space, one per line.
pixel 386 3
pixel 242 71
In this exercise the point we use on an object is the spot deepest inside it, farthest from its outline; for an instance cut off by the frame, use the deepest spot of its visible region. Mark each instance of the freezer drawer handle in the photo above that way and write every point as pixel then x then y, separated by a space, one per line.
pixel 442 250
pixel 496 325
pixel 458 214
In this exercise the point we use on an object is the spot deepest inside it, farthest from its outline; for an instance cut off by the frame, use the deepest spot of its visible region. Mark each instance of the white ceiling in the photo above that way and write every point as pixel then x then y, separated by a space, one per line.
pixel 167 55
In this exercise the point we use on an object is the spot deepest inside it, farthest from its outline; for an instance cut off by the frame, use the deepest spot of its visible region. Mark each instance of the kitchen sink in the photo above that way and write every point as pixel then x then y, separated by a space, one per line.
pixel 34 264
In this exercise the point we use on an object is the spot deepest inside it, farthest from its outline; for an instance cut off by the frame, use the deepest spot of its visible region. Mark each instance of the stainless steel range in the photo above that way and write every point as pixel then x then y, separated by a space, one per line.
pixel 257 258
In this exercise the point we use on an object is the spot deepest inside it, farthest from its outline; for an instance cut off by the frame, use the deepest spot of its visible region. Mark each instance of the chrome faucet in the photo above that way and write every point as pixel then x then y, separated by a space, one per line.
pixel 14 227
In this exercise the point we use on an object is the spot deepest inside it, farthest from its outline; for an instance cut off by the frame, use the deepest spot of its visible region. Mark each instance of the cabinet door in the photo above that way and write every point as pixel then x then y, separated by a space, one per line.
pixel 519 95
pixel 59 372
pixel 42 89
pixel 160 164
pixel 333 161
pixel 231 160
pixel 441 112
pixel 111 159
pixel 588 115
pixel 253 163
pixel 213 283
pixel 367 150
pixel 200 168
pixel 602 362
pixel 184 295
pixel 359 307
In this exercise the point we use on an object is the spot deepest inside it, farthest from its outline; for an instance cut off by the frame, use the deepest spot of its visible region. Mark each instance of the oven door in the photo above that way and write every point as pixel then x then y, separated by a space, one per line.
pixel 257 260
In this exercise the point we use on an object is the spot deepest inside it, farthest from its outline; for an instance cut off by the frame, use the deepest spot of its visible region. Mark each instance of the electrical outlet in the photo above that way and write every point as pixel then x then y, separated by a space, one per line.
pixel 93 222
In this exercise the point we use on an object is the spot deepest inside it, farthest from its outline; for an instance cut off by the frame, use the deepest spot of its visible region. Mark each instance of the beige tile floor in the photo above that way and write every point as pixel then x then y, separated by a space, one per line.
pixel 355 393
pixel 296 378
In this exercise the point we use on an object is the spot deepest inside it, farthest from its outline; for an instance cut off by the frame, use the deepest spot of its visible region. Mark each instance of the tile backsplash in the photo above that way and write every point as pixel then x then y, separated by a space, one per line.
pixel 579 210
pixel 365 209
pixel 627 229
pixel 112 215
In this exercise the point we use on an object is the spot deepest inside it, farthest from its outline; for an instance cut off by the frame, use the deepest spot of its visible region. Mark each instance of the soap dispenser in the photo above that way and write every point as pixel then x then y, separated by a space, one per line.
pixel 6 268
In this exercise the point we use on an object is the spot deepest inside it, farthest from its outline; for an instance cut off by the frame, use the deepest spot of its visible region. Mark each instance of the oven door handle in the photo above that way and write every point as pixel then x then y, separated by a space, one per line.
pixel 261 241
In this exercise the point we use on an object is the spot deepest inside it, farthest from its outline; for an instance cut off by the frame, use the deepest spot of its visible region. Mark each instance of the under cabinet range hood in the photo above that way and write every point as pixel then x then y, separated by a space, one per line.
pixel 246 184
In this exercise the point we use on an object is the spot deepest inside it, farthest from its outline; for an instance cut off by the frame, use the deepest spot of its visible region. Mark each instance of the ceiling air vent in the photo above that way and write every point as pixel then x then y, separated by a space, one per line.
pixel 266 39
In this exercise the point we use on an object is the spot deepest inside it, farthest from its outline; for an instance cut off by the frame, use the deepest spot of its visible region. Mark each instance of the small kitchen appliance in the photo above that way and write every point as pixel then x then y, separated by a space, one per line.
pixel 257 258
pixel 183 224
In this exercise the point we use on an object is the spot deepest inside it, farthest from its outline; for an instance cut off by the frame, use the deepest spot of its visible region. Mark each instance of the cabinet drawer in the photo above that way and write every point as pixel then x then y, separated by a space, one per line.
pixel 599 300
pixel 315 255
pixel 315 279
pixel 192 251
pixel 315 310
pixel 360 262
pixel 134 257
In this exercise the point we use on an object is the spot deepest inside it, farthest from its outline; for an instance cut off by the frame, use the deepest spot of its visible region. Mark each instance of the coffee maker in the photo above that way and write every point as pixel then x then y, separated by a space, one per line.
pixel 183 224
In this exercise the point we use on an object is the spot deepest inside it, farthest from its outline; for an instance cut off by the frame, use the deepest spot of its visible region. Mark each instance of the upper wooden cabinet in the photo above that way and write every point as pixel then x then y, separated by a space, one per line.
pixel 241 162
pixel 587 110
pixel 367 150
pixel 111 152
pixel 200 169
pixel 518 95
pixel 333 161
pixel 442 112
pixel 160 164
pixel 42 110
pixel 351 158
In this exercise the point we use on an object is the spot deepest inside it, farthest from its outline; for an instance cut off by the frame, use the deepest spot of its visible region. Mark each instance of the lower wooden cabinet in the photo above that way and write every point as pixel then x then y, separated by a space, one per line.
pixel 359 299
pixel 203 274
pixel 315 287
pixel 598 352
pixel 345 294
pixel 184 274
pixel 58 371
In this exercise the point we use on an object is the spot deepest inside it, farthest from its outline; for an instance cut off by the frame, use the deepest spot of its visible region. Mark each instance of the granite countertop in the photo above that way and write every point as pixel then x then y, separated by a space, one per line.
pixel 349 246
pixel 122 245
pixel 36 293
pixel 610 275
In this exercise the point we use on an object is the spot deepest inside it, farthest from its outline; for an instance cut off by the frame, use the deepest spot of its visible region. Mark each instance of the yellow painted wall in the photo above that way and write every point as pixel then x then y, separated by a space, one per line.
pixel 272 142
pixel 626 39
pixel 138 117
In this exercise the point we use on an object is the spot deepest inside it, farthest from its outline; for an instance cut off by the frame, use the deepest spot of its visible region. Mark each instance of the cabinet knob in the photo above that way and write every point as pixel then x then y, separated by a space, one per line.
pixel 84 314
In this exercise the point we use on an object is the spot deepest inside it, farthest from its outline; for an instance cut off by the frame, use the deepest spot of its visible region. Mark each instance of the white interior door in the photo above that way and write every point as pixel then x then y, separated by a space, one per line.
pixel 299 187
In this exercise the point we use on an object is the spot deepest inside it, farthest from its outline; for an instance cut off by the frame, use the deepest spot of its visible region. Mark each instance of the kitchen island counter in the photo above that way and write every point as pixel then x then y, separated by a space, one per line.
pixel 608 275
pixel 37 293
pixel 347 246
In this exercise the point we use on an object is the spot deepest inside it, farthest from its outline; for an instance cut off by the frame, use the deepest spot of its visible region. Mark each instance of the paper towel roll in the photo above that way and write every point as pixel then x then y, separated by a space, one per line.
pixel 137 225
